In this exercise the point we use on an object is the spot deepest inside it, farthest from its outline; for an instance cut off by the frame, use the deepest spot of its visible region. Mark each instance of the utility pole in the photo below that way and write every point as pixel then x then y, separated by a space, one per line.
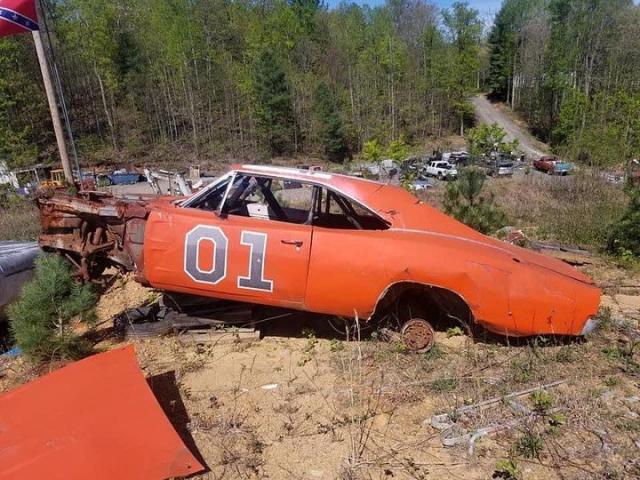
pixel 53 106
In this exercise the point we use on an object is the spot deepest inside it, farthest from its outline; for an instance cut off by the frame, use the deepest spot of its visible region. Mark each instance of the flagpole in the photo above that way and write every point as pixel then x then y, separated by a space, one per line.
pixel 60 92
pixel 53 106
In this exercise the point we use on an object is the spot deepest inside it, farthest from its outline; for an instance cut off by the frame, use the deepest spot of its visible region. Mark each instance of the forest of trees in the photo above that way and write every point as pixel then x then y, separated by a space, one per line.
pixel 205 79
pixel 572 68
pixel 242 77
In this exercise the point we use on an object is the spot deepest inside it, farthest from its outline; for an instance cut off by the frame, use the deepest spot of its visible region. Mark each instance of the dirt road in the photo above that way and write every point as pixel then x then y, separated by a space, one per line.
pixel 487 112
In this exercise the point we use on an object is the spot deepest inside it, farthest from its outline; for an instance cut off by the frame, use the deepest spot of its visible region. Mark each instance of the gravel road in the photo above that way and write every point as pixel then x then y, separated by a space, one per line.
pixel 486 112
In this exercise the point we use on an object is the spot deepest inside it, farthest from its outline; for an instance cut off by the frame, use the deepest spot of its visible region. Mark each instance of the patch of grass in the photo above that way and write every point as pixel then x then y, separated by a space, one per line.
pixel 336 346
pixel 434 353
pixel 522 371
pixel 612 381
pixel 19 219
pixel 444 384
pixel 309 348
pixel 576 210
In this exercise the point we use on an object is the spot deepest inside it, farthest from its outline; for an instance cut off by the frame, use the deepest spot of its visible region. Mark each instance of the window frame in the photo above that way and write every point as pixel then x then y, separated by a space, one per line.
pixel 317 187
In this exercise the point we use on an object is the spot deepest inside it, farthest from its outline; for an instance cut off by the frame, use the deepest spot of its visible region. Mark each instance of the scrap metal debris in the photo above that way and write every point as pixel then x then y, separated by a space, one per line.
pixel 94 419
pixel 16 268
pixel 453 433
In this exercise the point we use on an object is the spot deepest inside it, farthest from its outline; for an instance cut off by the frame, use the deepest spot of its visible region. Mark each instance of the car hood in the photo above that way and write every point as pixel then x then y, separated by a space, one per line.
pixel 411 215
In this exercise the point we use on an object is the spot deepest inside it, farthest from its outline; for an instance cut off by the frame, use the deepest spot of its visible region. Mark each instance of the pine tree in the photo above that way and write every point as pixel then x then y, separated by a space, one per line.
pixel 624 238
pixel 273 105
pixel 331 131
pixel 465 202
pixel 39 320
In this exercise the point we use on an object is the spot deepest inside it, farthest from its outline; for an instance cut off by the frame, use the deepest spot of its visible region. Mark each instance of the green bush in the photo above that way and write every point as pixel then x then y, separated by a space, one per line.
pixel 624 237
pixel 465 202
pixel 372 151
pixel 40 318
pixel 397 150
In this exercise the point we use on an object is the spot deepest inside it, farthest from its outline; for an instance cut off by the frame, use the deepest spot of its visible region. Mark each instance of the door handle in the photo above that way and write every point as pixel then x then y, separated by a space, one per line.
pixel 297 243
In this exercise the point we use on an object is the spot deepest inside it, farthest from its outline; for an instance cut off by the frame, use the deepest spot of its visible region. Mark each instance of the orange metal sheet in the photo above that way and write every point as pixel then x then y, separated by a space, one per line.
pixel 94 419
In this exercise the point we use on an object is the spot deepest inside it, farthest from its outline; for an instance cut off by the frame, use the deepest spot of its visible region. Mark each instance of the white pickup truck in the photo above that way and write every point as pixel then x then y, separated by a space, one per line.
pixel 441 169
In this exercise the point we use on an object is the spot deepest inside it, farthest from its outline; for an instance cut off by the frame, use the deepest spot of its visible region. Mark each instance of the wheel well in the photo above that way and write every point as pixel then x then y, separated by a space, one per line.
pixel 445 308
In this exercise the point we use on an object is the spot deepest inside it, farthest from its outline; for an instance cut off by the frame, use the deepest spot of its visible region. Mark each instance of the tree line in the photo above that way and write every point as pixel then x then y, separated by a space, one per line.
pixel 243 78
pixel 572 68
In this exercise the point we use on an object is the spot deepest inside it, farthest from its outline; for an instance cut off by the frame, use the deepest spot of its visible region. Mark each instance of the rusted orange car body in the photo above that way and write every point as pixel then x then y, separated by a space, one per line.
pixel 326 243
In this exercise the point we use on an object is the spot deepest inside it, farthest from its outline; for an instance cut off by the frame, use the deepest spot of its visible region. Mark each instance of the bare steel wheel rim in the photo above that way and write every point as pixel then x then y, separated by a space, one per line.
pixel 418 335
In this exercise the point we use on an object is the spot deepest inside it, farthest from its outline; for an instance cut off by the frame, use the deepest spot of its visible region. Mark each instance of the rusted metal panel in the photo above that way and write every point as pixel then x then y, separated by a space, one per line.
pixel 94 419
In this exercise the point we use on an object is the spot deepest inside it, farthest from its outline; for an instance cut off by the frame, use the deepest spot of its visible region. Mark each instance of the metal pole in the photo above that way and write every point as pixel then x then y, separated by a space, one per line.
pixel 53 107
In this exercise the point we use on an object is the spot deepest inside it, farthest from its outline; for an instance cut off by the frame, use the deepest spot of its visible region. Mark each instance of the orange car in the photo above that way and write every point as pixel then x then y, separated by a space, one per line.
pixel 325 243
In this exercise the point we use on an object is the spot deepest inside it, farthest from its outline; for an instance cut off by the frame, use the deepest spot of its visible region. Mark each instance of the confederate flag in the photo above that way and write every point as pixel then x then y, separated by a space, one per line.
pixel 17 16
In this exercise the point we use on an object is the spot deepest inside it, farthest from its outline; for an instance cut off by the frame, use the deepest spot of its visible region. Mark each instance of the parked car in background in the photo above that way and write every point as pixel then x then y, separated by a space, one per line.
pixel 459 158
pixel 420 185
pixel 500 168
pixel 552 166
pixel 442 170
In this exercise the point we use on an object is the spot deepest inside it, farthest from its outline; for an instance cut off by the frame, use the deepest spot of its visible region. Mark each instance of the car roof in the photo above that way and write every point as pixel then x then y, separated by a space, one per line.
pixel 354 186
pixel 374 195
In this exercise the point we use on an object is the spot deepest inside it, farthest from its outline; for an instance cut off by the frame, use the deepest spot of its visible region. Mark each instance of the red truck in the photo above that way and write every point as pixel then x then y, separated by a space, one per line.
pixel 552 166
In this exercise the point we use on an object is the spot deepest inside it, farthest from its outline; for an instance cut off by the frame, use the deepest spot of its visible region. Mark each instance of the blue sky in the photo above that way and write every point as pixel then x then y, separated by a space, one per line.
pixel 487 8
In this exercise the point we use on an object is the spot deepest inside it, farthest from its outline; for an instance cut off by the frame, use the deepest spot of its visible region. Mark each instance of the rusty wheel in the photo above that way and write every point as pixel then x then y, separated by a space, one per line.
pixel 418 335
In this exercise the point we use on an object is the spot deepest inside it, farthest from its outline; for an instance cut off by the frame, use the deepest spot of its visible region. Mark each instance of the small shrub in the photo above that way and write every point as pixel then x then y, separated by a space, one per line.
pixel 397 150
pixel 40 319
pixel 624 239
pixel 336 346
pixel 506 469
pixel 486 138
pixel 612 382
pixel 454 332
pixel 465 202
pixel 542 401
pixel 372 151
pixel 565 354
pixel 530 445
pixel 522 371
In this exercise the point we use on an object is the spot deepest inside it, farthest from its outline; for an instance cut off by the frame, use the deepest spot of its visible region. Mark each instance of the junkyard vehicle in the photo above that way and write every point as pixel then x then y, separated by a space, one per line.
pixel 56 180
pixel 552 166
pixel 337 245
pixel 441 169
pixel 500 168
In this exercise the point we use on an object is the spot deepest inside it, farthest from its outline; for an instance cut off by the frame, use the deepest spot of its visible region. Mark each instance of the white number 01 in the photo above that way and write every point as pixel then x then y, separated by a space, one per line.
pixel 256 241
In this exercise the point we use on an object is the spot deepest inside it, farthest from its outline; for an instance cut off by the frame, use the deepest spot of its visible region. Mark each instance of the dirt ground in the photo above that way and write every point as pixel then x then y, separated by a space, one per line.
pixel 305 403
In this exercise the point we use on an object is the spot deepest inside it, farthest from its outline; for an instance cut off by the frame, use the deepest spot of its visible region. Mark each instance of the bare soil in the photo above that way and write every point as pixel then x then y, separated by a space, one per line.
pixel 488 112
pixel 303 402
